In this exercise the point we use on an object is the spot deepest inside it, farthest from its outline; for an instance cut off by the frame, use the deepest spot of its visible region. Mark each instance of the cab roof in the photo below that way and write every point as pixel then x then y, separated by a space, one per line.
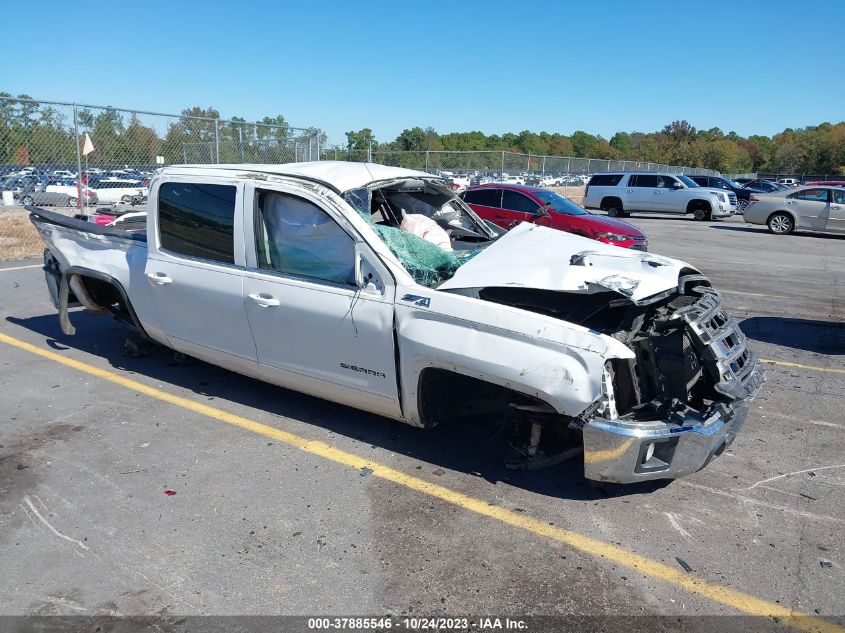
pixel 338 175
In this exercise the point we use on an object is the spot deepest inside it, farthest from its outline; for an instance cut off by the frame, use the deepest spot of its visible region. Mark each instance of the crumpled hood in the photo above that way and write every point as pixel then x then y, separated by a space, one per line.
pixel 532 256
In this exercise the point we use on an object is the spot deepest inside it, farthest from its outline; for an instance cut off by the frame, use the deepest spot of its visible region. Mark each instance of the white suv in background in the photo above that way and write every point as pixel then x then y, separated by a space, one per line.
pixel 622 193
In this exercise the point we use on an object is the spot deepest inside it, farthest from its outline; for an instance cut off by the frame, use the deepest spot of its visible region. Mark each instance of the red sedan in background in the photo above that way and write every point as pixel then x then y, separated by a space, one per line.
pixel 508 205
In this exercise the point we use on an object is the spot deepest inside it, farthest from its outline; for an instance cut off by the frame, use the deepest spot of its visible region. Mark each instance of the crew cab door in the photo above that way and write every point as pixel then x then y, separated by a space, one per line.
pixel 195 269
pixel 667 197
pixel 315 330
pixel 640 193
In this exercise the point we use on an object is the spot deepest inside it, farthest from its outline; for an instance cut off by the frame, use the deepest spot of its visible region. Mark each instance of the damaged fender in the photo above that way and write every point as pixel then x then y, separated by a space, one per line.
pixel 554 361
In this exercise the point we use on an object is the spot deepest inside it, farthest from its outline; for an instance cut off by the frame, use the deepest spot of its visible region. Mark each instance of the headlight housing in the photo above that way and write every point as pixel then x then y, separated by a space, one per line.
pixel 613 237
pixel 722 197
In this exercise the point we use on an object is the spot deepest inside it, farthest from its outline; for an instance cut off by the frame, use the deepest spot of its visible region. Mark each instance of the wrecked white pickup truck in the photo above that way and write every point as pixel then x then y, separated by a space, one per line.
pixel 377 288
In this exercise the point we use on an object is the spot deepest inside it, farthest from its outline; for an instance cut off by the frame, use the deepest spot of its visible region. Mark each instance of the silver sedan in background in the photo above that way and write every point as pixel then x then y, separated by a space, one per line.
pixel 813 208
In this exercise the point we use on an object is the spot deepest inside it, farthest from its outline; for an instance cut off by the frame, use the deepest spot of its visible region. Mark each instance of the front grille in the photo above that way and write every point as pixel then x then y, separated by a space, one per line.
pixel 732 198
pixel 737 371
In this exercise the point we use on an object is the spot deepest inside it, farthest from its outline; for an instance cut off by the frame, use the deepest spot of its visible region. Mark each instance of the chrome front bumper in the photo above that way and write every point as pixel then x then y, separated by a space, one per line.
pixel 627 451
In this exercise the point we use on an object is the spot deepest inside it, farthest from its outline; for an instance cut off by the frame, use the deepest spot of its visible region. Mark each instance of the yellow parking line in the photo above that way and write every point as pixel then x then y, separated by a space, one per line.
pixel 732 598
pixel 3 270
pixel 832 370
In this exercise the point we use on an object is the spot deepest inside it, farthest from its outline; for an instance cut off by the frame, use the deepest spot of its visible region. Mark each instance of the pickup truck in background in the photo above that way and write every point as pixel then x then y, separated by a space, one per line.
pixel 326 278
pixel 622 193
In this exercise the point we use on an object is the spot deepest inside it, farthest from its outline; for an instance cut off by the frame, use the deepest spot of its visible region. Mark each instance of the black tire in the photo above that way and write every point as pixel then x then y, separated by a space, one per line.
pixel 701 214
pixel 26 200
pixel 780 223
pixel 740 206
pixel 614 211
pixel 72 202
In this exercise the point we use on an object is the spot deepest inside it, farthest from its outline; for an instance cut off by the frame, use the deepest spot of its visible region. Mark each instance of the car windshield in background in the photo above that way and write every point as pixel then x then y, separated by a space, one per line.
pixel 733 183
pixel 689 182
pixel 559 204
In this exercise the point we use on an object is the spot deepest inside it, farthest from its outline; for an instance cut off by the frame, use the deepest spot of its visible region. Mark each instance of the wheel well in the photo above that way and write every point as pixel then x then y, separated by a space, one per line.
pixel 444 396
pixel 785 212
pixel 610 201
pixel 698 204
pixel 108 294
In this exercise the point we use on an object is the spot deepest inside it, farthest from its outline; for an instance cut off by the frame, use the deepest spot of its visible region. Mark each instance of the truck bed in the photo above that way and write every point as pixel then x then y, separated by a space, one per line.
pixel 41 217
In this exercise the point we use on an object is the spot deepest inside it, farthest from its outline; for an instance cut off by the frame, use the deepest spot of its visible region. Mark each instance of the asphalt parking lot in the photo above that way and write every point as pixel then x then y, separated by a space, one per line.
pixel 286 522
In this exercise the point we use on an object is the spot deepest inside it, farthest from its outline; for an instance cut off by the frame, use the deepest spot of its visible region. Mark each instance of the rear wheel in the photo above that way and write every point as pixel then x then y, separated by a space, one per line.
pixel 780 223
pixel 26 200
pixel 72 202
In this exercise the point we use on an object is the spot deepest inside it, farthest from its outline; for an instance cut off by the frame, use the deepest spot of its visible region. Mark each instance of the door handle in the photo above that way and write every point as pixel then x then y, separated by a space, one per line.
pixel 265 300
pixel 790 202
pixel 160 279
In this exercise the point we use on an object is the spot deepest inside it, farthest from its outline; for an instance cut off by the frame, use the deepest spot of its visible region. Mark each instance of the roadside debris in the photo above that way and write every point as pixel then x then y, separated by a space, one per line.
pixel 170 493
pixel 826 564
pixel 366 471
pixel 684 564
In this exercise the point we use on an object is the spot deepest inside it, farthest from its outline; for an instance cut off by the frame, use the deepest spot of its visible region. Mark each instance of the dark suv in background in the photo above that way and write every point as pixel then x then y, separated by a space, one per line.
pixel 743 195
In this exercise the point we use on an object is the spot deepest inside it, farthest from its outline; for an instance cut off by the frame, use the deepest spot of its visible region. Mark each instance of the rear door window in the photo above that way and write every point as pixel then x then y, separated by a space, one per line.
pixel 816 195
pixel 645 180
pixel 197 219
pixel 605 180
pixel 490 197
pixel 515 201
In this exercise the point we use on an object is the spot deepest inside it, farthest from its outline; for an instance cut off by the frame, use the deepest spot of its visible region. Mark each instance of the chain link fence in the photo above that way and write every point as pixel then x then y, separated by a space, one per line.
pixel 566 174
pixel 76 156
pixel 46 145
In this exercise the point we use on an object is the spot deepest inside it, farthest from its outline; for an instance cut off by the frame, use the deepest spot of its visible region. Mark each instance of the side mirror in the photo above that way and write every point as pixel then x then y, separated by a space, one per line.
pixel 544 210
pixel 677 185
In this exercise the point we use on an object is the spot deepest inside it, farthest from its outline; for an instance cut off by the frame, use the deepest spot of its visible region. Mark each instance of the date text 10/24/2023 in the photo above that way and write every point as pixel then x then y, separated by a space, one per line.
pixel 417 624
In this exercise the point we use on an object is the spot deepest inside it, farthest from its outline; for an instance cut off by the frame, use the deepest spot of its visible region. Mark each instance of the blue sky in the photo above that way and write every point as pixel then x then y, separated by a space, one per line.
pixel 752 67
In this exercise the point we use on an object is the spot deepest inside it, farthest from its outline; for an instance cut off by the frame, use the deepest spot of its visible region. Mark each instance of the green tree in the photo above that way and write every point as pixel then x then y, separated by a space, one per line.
pixel 582 144
pixel 360 140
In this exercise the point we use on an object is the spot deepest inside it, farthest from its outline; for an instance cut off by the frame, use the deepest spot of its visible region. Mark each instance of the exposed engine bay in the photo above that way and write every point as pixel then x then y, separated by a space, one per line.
pixel 690 360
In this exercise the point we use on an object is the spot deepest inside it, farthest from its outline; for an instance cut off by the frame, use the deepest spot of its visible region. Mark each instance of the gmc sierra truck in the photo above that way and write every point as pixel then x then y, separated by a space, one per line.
pixel 378 288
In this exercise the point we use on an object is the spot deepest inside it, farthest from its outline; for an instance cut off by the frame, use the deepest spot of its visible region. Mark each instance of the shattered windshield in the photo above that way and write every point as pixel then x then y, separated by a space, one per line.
pixel 426 226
